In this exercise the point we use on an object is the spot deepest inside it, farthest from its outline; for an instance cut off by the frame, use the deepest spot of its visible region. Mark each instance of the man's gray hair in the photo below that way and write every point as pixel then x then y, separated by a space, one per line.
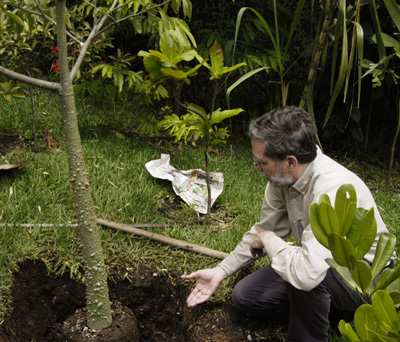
pixel 287 131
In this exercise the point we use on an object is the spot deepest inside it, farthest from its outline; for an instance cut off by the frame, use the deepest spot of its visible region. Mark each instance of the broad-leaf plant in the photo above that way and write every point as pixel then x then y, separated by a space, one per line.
pixel 349 232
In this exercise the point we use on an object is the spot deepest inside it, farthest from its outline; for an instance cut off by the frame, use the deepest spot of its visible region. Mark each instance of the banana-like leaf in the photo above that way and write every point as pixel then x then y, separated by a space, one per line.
pixel 217 59
pixel 390 277
pixel 384 251
pixel 342 250
pixel 218 115
pixel 328 217
pixel 293 26
pixel 367 235
pixel 266 28
pixel 343 62
pixel 384 310
pixel 241 80
pixel 377 29
pixel 349 335
pixel 320 232
pixel 362 232
pixel 362 274
pixel 394 11
pixel 345 207
pixel 345 273
pixel 176 74
pixel 365 322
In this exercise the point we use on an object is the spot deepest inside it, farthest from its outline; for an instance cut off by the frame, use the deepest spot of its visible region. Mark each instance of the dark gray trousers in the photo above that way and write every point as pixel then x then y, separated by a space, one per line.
pixel 308 314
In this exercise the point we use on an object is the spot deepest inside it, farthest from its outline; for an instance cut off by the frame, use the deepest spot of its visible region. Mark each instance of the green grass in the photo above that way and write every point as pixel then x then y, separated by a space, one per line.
pixel 123 191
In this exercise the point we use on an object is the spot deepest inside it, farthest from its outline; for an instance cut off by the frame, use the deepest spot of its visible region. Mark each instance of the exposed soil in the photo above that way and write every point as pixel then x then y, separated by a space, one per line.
pixel 41 305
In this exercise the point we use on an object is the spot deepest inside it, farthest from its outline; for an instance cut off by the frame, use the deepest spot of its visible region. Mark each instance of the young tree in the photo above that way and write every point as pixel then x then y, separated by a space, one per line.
pixel 98 303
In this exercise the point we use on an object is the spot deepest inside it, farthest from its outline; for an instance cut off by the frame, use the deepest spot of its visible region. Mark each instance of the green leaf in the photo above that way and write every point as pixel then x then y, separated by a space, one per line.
pixel 384 310
pixel 390 277
pixel 328 217
pixel 365 322
pixel 342 250
pixel 241 80
pixel 345 207
pixel 362 275
pixel 377 29
pixel 176 74
pixel 368 229
pixel 320 233
pixel 394 11
pixel 349 335
pixel 343 61
pixel 168 49
pixel 362 232
pixel 217 59
pixel 345 273
pixel 218 115
pixel 384 251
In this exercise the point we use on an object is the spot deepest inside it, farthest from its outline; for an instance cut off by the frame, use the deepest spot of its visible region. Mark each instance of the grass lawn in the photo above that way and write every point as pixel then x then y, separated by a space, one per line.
pixel 123 191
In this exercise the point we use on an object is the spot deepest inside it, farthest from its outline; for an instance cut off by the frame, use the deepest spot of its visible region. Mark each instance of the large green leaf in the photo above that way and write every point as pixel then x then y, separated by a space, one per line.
pixel 362 232
pixel 217 59
pixel 175 74
pixel 362 274
pixel 389 278
pixel 241 80
pixel 349 335
pixel 384 251
pixel 343 61
pixel 394 11
pixel 367 235
pixel 169 50
pixel 365 322
pixel 377 29
pixel 320 233
pixel 345 273
pixel 384 310
pixel 342 250
pixel 328 217
pixel 345 207
pixel 218 115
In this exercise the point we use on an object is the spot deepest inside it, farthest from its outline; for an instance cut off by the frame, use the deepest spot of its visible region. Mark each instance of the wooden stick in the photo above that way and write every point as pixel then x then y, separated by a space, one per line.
pixel 164 239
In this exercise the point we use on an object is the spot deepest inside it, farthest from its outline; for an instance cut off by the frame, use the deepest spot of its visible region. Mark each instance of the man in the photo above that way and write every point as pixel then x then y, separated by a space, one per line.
pixel 298 286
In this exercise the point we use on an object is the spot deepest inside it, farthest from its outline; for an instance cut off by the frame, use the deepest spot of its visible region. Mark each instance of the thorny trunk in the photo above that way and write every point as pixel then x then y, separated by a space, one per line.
pixel 97 296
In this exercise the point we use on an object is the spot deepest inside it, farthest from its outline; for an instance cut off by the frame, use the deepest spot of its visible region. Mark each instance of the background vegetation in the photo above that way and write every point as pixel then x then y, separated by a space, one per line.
pixel 120 107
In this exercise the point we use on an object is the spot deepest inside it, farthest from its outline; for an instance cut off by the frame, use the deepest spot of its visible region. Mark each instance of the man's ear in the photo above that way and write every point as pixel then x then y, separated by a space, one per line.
pixel 292 161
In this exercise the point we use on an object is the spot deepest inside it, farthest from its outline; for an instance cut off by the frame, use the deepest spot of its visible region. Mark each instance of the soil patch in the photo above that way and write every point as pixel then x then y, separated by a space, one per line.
pixel 41 305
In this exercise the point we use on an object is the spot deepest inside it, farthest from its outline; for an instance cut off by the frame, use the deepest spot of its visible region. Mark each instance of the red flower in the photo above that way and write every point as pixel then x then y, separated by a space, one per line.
pixel 54 49
pixel 56 69
pixel 95 64
pixel 101 62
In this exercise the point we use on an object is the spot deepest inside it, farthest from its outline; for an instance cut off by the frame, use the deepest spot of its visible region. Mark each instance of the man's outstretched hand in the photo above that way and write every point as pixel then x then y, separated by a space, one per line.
pixel 209 280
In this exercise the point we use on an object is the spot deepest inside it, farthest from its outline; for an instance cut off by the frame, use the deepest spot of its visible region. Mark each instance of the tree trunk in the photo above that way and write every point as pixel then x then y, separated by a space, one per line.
pixel 97 296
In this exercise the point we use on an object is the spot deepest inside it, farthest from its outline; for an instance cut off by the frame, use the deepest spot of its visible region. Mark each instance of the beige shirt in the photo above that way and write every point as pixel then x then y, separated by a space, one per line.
pixel 286 210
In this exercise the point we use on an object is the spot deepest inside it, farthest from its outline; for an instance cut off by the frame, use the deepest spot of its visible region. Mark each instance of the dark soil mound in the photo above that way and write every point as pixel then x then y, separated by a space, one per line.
pixel 42 304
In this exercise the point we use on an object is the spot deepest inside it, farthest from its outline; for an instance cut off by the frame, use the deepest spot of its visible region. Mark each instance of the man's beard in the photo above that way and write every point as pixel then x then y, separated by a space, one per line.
pixel 279 180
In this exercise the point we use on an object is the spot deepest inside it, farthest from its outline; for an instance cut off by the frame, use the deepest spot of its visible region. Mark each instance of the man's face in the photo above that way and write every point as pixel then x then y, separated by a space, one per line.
pixel 276 172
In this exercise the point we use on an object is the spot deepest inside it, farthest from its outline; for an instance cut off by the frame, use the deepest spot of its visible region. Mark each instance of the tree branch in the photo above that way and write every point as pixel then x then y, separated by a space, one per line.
pixel 41 14
pixel 93 33
pixel 52 86
pixel 132 15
